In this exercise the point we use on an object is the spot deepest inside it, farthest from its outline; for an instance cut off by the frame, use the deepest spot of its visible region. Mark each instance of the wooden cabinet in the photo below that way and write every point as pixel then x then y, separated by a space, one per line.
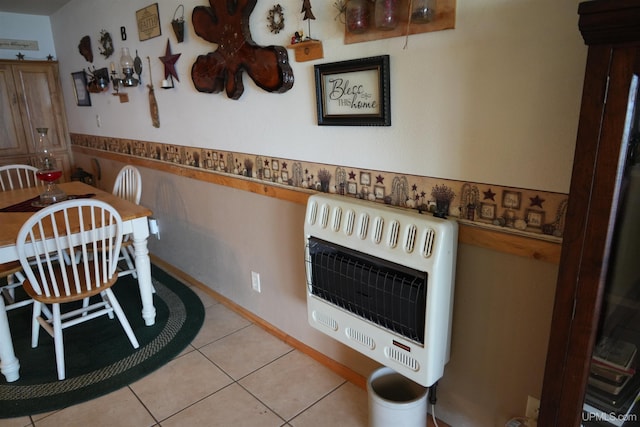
pixel 30 98
pixel 600 190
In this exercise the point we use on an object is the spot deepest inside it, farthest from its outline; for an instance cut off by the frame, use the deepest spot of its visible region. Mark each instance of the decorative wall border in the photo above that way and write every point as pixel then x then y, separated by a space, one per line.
pixel 531 213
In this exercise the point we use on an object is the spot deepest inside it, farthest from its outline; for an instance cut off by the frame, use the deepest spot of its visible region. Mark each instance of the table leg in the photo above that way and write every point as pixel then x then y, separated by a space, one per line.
pixel 143 268
pixel 9 365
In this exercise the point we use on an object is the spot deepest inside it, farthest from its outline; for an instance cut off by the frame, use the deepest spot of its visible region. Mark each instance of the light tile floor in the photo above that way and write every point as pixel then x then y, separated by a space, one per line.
pixel 233 374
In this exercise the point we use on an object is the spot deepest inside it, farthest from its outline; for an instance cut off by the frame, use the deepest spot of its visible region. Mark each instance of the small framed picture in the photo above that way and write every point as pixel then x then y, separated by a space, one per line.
pixel 285 176
pixel 378 191
pixel 354 92
pixel 535 218
pixel 80 89
pixel 511 199
pixel 266 173
pixel 365 178
pixel 487 211
pixel 352 188
pixel 275 164
pixel 148 20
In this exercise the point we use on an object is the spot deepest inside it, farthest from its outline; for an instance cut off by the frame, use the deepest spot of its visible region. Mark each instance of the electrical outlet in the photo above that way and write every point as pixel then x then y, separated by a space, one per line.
pixel 255 281
pixel 533 408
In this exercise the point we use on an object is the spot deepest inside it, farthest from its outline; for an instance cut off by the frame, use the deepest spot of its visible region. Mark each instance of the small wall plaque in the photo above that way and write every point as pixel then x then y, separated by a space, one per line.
pixel 148 20
pixel 13 44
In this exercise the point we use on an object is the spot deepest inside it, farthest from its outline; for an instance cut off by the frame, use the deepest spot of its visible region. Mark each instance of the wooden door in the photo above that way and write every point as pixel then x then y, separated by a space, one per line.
pixel 41 106
pixel 12 137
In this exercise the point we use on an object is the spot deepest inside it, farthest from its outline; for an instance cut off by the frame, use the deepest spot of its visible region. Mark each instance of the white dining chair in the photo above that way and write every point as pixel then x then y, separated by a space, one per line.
pixel 128 185
pixel 51 283
pixel 13 177
pixel 18 176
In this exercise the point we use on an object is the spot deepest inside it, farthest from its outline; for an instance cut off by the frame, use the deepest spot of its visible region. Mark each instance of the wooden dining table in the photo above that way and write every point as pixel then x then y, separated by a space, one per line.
pixel 13 216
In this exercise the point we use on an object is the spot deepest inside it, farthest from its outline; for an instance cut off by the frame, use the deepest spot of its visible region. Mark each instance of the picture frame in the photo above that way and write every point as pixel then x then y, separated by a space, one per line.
pixel 148 20
pixel 354 92
pixel 378 191
pixel 83 98
pixel 365 178
pixel 352 188
pixel 534 218
pixel 511 199
pixel 487 211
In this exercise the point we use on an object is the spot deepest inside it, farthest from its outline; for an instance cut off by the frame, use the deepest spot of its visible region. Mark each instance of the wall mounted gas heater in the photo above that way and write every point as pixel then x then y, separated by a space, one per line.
pixel 380 279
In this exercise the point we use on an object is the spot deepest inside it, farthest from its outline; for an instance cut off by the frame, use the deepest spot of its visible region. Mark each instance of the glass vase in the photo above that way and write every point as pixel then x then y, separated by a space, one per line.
pixel 386 14
pixel 358 16
pixel 423 11
pixel 48 170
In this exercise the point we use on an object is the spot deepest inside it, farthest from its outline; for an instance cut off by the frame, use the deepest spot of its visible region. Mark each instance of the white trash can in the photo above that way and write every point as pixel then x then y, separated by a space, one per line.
pixel 395 400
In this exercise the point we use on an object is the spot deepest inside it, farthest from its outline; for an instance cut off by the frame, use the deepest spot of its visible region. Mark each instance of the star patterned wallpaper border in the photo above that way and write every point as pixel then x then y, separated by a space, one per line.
pixel 534 213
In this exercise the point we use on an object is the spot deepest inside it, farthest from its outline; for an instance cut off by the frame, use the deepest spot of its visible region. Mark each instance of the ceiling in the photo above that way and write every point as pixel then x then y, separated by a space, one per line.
pixel 32 7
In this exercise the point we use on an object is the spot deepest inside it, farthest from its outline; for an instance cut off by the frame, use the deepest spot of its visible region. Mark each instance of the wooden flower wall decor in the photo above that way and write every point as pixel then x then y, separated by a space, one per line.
pixel 226 23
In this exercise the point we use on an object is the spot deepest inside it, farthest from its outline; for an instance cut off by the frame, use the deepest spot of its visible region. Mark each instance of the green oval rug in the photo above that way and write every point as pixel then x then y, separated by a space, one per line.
pixel 99 357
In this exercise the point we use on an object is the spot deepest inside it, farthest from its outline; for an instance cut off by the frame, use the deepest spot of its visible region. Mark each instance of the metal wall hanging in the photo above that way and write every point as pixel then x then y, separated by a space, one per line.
pixel 169 60
pixel 178 24
pixel 227 25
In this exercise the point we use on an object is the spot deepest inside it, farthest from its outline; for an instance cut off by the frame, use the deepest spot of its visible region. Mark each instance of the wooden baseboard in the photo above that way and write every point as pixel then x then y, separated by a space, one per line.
pixel 340 369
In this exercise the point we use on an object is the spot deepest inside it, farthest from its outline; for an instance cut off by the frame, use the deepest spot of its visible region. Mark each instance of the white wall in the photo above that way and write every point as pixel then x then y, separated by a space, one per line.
pixel 17 26
pixel 495 100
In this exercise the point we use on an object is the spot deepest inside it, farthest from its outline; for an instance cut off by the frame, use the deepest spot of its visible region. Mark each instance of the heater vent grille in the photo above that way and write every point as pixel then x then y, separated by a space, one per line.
pixel 427 247
pixel 337 217
pixel 325 320
pixel 376 233
pixel 324 215
pixel 402 358
pixel 363 226
pixel 410 238
pixel 312 213
pixel 349 222
pixel 394 232
pixel 360 338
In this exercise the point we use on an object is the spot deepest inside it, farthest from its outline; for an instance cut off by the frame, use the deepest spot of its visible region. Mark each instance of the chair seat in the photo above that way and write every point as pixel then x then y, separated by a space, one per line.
pixel 74 294
pixel 10 268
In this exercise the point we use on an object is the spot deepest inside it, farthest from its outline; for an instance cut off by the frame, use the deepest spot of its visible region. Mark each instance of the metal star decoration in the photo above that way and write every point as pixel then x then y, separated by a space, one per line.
pixel 169 60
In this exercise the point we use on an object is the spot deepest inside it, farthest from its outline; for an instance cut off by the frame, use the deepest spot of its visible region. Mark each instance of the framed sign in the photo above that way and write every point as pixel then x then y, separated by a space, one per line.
pixel 83 98
pixel 354 92
pixel 148 20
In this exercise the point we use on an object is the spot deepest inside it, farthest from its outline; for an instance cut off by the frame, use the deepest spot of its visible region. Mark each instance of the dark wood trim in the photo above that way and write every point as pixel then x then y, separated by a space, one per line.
pixel 609 22
pixel 515 244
